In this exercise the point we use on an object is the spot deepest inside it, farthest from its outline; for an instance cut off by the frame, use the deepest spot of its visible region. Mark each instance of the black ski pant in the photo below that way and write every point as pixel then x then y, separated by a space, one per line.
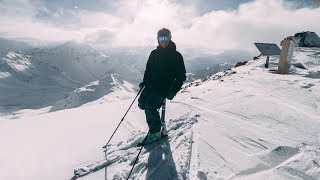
pixel 151 101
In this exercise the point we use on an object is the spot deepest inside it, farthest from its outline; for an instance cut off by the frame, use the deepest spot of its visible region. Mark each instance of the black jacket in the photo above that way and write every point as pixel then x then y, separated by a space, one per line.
pixel 165 70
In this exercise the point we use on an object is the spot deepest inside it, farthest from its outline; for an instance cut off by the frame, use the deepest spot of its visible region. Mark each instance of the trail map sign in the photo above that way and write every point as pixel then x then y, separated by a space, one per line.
pixel 268 49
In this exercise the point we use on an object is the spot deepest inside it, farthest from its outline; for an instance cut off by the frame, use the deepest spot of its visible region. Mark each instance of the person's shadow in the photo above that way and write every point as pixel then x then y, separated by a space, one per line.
pixel 160 162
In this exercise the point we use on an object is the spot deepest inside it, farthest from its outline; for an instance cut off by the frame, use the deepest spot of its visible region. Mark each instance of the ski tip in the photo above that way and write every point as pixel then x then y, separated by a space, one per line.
pixel 145 144
pixel 105 146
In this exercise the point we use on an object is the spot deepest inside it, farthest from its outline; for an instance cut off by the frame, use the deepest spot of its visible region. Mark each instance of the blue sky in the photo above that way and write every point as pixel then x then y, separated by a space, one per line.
pixel 216 24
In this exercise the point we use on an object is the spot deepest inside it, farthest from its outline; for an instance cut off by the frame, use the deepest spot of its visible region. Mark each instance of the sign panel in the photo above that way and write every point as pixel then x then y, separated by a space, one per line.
pixel 268 49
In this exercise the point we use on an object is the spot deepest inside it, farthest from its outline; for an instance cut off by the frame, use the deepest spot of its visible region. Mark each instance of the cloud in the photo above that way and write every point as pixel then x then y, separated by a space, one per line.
pixel 258 21
pixel 205 6
pixel 18 20
pixel 136 22
pixel 99 38
pixel 16 8
pixel 24 27
pixel 143 20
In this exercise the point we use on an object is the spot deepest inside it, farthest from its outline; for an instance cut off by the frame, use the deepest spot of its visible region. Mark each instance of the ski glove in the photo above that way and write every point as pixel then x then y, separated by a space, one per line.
pixel 141 85
pixel 171 94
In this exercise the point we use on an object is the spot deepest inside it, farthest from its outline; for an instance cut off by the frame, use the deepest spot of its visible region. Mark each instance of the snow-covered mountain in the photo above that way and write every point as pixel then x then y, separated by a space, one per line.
pixel 83 63
pixel 245 123
pixel 95 90
pixel 77 64
pixel 46 76
pixel 29 83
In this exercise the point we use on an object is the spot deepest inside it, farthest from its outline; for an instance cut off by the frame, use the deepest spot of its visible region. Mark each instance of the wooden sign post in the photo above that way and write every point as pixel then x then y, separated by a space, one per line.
pixel 286 55
pixel 268 49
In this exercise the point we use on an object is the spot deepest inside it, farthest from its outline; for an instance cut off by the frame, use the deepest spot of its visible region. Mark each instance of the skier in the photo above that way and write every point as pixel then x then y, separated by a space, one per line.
pixel 163 78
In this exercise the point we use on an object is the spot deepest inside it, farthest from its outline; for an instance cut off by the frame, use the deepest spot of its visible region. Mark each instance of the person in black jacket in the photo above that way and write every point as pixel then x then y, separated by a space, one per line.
pixel 164 75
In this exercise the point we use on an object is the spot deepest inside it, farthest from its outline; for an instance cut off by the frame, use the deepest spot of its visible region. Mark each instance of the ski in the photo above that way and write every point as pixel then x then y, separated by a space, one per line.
pixel 99 165
pixel 163 136
pixel 88 169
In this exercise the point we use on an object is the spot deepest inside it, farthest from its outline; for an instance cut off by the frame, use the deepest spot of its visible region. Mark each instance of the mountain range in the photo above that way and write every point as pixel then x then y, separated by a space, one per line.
pixel 49 74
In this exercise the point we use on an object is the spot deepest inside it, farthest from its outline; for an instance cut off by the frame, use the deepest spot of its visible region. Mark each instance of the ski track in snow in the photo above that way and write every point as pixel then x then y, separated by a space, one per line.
pixel 168 158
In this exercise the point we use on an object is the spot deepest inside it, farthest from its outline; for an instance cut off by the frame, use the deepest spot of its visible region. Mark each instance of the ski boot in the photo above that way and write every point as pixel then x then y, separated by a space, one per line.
pixel 151 138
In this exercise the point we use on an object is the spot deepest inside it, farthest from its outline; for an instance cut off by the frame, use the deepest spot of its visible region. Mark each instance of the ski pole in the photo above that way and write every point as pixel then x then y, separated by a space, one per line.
pixel 144 140
pixel 106 168
pixel 122 118
pixel 136 160
pixel 163 113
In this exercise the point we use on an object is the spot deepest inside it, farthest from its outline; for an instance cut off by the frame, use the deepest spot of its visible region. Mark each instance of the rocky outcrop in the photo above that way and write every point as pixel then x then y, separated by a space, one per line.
pixel 307 39
pixel 241 64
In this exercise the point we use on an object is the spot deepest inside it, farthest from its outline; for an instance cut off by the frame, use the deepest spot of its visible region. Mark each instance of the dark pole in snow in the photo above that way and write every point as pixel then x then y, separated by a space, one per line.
pixel 267 62
pixel 144 140
pixel 122 118
pixel 106 169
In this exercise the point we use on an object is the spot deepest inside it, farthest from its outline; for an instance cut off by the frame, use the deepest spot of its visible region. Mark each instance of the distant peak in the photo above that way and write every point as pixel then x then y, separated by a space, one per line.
pixel 78 48
pixel 74 44
pixel 12 55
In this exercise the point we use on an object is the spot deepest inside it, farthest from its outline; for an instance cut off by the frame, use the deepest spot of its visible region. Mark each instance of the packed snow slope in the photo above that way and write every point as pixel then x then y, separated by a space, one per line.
pixel 245 123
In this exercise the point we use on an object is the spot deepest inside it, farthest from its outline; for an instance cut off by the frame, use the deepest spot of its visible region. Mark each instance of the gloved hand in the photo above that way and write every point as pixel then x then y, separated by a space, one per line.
pixel 141 85
pixel 171 94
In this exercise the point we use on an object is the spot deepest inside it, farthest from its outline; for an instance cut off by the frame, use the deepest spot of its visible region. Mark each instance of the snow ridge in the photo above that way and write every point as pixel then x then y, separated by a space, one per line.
pixel 93 91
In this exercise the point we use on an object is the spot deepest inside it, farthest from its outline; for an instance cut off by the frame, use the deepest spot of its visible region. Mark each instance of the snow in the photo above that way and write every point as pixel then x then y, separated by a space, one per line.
pixel 245 123
pixel 16 61
pixel 45 153
pixel 93 91
pixel 30 83
pixel 4 75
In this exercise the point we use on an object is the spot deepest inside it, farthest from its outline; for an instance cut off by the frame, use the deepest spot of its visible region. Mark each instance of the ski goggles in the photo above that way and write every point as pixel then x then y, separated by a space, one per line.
pixel 163 39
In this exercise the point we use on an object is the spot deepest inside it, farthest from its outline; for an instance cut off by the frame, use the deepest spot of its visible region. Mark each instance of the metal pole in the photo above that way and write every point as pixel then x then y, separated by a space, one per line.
pixel 267 62
pixel 122 118
pixel 163 114
pixel 106 169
